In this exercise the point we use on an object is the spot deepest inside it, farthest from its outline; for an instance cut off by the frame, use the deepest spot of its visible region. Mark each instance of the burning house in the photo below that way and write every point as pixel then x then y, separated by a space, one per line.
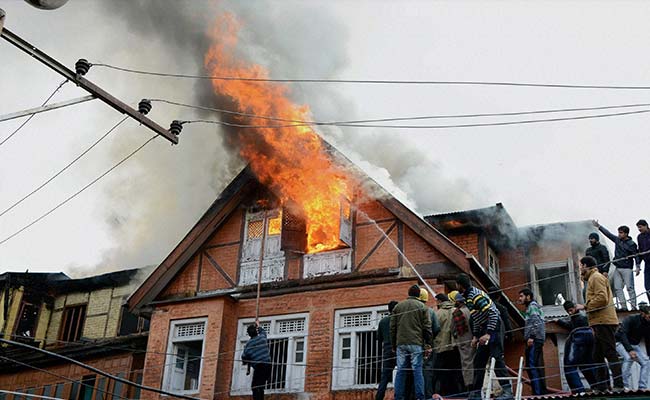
pixel 84 319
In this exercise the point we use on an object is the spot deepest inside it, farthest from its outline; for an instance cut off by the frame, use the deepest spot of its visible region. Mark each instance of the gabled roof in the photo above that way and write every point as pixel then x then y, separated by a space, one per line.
pixel 229 199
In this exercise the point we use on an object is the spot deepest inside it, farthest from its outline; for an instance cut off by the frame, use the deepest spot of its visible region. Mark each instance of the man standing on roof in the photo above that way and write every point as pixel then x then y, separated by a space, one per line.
pixel 462 337
pixel 578 348
pixel 625 251
pixel 603 322
pixel 629 335
pixel 598 251
pixel 256 354
pixel 410 335
pixel 644 246
pixel 428 365
pixel 387 355
pixel 535 336
pixel 487 331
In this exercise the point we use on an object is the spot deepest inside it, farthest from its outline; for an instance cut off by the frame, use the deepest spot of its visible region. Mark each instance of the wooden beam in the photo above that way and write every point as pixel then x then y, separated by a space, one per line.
pixel 381 240
pixel 216 266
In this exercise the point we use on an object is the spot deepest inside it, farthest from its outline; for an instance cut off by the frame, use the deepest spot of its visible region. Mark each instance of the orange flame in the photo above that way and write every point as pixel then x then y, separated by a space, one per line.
pixel 291 160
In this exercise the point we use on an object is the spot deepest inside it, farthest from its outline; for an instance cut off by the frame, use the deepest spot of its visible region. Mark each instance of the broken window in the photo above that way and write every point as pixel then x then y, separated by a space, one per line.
pixel 554 283
pixel 357 352
pixel 28 319
pixel 345 225
pixel 287 348
pixel 72 324
pixel 262 239
pixel 183 366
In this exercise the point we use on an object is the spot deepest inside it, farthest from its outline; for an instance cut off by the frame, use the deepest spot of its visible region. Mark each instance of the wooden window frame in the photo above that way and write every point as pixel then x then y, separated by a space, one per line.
pixel 79 326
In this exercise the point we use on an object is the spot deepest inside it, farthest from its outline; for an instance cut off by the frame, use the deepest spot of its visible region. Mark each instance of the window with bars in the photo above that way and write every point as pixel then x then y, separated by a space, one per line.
pixel 357 351
pixel 72 324
pixel 185 359
pixel 287 336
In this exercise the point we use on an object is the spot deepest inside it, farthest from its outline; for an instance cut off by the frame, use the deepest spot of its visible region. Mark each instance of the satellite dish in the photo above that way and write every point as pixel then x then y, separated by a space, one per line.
pixel 47 4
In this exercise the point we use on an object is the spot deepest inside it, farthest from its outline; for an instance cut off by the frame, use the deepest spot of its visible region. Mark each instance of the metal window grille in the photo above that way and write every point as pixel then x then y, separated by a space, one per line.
pixel 279 356
pixel 368 360
pixel 255 229
pixel 188 330
pixel 291 326
pixel 356 320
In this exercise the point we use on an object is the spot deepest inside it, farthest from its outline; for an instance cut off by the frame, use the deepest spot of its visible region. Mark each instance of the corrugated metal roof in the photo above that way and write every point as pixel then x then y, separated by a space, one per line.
pixel 597 395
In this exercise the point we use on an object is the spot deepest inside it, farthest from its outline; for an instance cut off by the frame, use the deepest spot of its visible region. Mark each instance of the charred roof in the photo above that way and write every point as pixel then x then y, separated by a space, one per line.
pixel 110 279
pixel 494 220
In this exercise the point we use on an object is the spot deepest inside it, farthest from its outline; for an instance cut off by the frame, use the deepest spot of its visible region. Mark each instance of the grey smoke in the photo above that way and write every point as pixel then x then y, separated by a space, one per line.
pixel 158 196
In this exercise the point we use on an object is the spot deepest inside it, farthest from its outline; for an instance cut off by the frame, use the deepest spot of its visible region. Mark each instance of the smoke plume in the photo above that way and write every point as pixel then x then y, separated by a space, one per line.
pixel 163 191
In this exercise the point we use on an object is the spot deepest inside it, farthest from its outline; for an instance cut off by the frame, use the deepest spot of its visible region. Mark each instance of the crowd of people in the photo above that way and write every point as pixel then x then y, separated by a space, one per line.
pixel 447 352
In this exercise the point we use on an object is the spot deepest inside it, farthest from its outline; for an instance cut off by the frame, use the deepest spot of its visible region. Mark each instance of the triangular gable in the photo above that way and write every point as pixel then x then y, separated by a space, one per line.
pixel 242 185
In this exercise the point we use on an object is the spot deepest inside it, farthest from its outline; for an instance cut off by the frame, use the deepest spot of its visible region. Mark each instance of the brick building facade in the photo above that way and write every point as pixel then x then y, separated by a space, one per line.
pixel 84 319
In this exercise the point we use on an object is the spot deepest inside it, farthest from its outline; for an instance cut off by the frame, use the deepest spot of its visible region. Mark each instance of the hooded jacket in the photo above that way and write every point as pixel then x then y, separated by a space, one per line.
pixel 410 324
pixel 601 254
pixel 443 341
pixel 622 248
pixel 599 304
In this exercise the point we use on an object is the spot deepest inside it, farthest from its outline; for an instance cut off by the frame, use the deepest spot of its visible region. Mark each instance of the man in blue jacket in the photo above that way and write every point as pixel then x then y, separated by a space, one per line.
pixel 644 245
pixel 256 354
pixel 578 348
pixel 625 251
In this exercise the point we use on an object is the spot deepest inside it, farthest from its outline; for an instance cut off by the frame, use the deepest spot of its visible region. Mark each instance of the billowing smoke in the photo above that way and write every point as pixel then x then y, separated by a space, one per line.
pixel 160 194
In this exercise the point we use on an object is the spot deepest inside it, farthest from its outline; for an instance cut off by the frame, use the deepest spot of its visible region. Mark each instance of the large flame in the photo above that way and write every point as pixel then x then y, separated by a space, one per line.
pixel 291 160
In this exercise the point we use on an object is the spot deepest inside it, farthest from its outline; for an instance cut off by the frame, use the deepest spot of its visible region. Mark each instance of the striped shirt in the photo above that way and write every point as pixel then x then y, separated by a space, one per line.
pixel 484 314
pixel 534 328
pixel 256 350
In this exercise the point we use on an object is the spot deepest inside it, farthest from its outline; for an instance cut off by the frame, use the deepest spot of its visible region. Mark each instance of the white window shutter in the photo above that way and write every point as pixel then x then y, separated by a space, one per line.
pixel 345 226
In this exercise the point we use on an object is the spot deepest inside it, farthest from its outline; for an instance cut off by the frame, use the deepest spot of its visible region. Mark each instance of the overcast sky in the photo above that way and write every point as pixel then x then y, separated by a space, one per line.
pixel 543 173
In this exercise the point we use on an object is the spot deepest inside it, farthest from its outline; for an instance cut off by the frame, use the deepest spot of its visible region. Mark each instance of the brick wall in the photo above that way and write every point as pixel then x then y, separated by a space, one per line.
pixel 223 316
pixel 24 379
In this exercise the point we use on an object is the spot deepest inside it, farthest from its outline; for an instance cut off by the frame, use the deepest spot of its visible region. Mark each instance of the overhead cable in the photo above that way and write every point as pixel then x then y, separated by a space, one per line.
pixel 445 126
pixel 374 81
pixel 83 153
pixel 16 233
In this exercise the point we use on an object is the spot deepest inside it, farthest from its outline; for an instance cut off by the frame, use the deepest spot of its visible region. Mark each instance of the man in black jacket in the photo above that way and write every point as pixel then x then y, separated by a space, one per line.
pixel 599 252
pixel 625 251
pixel 578 348
pixel 644 245
pixel 629 335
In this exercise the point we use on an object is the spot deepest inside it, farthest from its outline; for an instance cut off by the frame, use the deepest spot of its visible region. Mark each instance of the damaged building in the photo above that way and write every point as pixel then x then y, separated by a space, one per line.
pixel 84 319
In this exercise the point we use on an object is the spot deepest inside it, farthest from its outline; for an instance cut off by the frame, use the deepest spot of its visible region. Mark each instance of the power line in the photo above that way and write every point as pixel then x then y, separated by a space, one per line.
pixel 373 81
pixel 96 370
pixel 41 186
pixel 32 116
pixel 24 364
pixel 448 126
pixel 392 119
pixel 78 192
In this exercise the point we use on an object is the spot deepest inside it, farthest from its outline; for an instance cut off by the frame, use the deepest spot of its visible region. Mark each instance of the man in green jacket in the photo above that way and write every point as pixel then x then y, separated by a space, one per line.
pixel 410 334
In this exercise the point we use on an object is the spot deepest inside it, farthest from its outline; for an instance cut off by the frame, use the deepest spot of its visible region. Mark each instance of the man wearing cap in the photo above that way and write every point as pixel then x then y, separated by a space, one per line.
pixel 447 364
pixel 598 251
pixel 644 246
pixel 578 348
pixel 462 337
pixel 487 331
pixel 410 335
pixel 428 365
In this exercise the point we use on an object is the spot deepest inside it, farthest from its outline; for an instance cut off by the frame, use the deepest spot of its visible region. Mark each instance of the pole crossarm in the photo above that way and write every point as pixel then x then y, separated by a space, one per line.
pixel 85 84
pixel 47 107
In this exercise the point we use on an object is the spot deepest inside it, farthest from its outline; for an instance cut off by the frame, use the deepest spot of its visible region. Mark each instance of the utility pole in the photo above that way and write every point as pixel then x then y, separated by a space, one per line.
pixel 76 77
